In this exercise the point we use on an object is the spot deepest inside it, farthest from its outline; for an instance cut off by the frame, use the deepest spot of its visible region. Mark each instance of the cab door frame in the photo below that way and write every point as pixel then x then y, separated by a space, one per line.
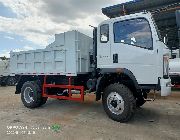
pixel 104 47
pixel 142 62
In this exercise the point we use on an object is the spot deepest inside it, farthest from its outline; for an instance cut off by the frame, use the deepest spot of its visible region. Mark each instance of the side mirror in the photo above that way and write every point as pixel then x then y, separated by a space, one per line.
pixel 165 40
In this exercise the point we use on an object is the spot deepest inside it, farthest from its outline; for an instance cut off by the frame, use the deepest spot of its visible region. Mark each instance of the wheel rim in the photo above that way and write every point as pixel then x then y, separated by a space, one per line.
pixel 28 95
pixel 115 103
pixel 12 81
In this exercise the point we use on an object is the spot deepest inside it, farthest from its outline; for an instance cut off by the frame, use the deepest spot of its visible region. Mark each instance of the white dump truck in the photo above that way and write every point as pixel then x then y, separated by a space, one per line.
pixel 174 72
pixel 174 68
pixel 6 78
pixel 121 64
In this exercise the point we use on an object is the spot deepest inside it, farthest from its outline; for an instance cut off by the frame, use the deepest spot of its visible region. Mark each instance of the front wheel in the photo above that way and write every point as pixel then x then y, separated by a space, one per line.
pixel 118 102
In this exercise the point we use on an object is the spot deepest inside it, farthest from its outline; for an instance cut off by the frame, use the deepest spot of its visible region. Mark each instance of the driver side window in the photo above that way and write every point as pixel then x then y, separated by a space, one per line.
pixel 104 33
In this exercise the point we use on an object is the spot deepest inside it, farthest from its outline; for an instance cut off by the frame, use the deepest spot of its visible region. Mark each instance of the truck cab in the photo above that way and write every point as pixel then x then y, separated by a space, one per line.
pixel 131 53
pixel 131 42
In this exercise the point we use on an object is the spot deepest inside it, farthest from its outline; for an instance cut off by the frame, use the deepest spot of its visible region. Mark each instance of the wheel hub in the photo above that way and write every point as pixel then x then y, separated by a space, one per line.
pixel 28 95
pixel 115 103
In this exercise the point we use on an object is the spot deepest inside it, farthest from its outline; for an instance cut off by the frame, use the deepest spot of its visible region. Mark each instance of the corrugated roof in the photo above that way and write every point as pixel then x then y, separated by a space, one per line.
pixel 136 6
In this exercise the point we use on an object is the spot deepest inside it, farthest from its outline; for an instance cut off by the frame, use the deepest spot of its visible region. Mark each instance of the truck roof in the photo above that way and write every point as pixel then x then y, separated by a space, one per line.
pixel 166 14
pixel 140 14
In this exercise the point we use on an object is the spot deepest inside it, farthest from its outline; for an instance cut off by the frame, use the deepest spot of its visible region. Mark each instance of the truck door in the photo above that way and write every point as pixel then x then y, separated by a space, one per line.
pixel 103 49
pixel 132 48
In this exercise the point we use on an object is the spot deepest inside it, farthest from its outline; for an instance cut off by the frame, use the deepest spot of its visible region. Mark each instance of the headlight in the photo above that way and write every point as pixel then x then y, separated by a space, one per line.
pixel 166 66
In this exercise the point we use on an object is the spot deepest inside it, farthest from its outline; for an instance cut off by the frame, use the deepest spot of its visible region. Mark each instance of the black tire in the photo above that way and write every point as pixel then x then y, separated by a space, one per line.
pixel 3 81
pixel 0 81
pixel 36 95
pixel 11 81
pixel 43 101
pixel 129 102
pixel 3 84
pixel 140 100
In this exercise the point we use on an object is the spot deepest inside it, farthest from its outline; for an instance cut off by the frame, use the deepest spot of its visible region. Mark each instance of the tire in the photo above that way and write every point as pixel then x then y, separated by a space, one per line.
pixel 11 81
pixel 0 81
pixel 31 95
pixel 43 101
pixel 3 81
pixel 127 104
pixel 3 84
pixel 140 100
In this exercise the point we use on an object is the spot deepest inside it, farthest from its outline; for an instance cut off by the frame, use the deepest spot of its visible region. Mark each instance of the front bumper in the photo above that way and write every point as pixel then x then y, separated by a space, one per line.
pixel 165 87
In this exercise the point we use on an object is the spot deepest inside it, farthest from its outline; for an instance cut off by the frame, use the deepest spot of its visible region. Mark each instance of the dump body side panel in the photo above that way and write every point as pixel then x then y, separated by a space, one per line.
pixel 67 55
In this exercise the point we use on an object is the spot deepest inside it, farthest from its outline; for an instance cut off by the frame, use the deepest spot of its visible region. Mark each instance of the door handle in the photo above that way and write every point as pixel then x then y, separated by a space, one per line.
pixel 115 58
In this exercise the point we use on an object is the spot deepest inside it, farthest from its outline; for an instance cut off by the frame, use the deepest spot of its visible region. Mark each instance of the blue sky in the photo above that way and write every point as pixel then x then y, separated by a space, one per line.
pixel 12 41
pixel 6 12
pixel 26 25
pixel 8 41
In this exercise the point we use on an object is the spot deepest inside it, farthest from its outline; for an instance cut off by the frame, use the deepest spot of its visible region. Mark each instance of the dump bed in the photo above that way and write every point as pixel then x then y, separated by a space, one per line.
pixel 67 55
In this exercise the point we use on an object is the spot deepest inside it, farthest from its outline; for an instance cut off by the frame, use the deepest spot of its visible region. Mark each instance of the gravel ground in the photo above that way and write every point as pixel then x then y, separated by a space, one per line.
pixel 158 120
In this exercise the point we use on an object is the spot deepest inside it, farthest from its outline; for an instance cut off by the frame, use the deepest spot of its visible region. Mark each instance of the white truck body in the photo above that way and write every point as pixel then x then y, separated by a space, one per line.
pixel 70 53
pixel 67 55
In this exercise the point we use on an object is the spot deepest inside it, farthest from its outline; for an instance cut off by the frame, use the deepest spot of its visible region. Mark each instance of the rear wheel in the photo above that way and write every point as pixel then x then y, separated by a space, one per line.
pixel 11 81
pixel 3 81
pixel 0 81
pixel 31 95
pixel 119 102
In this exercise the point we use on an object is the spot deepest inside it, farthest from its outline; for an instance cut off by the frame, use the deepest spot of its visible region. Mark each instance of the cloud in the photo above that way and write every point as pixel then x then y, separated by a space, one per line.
pixel 9 37
pixel 6 53
pixel 69 10
pixel 28 48
pixel 38 21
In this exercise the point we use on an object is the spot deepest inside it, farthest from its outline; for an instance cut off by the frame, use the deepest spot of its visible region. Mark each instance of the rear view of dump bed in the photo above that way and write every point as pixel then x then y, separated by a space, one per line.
pixel 68 55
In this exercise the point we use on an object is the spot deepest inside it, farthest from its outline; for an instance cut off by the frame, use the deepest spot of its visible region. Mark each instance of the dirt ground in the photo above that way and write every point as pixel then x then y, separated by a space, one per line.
pixel 68 120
